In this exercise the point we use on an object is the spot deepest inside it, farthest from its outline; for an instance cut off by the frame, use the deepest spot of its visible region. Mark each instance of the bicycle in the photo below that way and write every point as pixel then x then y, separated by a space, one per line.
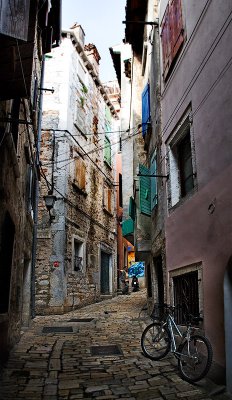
pixel 194 353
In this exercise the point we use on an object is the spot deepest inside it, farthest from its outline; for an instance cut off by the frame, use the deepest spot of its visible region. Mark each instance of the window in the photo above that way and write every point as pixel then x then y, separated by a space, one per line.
pixel 107 151
pixel 186 294
pixel 107 198
pixel 78 255
pixel 80 174
pixel 185 165
pixel 181 163
pixel 145 190
pixel 145 109
pixel 172 34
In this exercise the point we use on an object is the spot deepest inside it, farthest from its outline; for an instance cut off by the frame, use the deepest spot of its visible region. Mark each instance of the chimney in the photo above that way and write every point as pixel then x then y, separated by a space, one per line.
pixel 79 33
pixel 93 56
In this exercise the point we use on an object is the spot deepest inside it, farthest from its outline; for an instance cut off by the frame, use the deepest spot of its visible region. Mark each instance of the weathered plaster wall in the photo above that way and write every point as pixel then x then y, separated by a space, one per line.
pixel 193 232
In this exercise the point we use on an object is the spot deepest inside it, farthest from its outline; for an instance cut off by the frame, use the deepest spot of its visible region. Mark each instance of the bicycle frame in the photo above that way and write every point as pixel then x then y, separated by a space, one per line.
pixel 172 327
pixel 171 324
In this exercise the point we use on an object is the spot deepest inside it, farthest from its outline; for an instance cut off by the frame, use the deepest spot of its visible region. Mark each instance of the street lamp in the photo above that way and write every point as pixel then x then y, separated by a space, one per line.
pixel 49 202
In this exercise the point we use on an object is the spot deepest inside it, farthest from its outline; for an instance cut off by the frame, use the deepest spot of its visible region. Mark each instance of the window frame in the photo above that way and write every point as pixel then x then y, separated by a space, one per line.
pixel 82 253
pixel 181 272
pixel 184 128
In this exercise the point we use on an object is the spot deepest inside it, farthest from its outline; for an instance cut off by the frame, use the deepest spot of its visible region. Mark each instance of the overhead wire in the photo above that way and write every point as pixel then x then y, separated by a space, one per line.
pixel 68 201
pixel 93 150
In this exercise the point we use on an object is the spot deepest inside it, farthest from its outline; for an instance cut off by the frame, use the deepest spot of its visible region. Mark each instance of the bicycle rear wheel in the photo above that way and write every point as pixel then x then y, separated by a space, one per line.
pixel 155 341
pixel 195 359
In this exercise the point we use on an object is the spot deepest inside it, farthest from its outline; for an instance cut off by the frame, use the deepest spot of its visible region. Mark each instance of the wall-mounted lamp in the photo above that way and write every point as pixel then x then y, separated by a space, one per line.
pixel 49 202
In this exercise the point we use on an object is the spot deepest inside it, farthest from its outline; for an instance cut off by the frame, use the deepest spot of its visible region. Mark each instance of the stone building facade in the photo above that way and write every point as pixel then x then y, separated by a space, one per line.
pixel 77 242
pixel 23 47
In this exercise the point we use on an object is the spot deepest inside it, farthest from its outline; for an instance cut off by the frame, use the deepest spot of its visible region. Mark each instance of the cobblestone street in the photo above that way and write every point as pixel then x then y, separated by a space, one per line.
pixel 59 358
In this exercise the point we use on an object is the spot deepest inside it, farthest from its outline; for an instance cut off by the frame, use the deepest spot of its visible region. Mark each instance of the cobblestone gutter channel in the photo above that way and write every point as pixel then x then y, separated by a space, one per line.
pixel 62 365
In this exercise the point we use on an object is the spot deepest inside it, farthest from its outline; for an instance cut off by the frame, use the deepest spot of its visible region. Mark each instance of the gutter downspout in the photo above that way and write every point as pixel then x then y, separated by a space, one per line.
pixel 36 196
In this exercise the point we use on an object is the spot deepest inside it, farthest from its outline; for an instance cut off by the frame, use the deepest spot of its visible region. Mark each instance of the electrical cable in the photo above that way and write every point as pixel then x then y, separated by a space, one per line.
pixel 66 200
pixel 91 151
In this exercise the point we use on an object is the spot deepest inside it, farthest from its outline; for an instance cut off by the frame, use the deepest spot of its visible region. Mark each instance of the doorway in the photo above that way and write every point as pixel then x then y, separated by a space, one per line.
pixel 105 273
pixel 6 253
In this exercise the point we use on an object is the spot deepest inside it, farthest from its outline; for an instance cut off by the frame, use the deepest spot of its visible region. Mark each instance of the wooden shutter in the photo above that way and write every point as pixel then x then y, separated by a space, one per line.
pixel 107 151
pixel 177 27
pixel 145 108
pixel 145 190
pixel 166 42
pixel 80 174
pixel 107 198
pixel 14 18
pixel 153 171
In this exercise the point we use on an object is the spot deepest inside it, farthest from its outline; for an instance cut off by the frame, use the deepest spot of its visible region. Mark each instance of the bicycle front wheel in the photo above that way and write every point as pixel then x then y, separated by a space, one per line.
pixel 155 341
pixel 195 359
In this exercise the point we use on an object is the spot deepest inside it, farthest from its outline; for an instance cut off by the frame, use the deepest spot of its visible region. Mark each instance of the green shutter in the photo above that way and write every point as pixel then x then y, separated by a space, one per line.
pixel 127 227
pixel 145 190
pixel 107 151
pixel 153 171
pixel 132 208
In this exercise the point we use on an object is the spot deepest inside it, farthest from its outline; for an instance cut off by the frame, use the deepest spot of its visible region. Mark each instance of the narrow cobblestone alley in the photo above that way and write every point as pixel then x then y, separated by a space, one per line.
pixel 57 359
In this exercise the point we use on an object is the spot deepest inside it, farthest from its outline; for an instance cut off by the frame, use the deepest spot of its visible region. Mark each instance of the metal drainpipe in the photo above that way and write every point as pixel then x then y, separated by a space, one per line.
pixel 36 196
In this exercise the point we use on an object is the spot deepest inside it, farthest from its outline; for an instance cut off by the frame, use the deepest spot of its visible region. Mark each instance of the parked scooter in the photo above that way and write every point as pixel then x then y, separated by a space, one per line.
pixel 135 284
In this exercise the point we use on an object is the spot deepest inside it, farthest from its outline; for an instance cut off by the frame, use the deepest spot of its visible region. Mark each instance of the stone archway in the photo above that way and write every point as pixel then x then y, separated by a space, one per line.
pixel 228 323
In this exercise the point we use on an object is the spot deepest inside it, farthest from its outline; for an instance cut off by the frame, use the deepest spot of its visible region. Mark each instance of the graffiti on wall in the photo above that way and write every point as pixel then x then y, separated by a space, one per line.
pixel 137 268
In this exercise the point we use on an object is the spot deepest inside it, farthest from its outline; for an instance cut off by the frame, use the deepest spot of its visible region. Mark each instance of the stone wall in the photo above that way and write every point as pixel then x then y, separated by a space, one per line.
pixel 74 122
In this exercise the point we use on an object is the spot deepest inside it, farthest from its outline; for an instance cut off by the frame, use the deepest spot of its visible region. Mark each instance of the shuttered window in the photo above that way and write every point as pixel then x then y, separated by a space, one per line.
pixel 145 190
pixel 153 171
pixel 177 26
pixel 166 42
pixel 107 198
pixel 107 151
pixel 146 113
pixel 80 174
pixel 172 34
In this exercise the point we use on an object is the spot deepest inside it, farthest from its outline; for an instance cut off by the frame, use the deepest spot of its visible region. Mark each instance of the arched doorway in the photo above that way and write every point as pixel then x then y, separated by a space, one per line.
pixel 228 323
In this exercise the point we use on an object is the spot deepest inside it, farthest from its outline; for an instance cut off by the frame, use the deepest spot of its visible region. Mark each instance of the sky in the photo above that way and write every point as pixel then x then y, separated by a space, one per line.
pixel 101 21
